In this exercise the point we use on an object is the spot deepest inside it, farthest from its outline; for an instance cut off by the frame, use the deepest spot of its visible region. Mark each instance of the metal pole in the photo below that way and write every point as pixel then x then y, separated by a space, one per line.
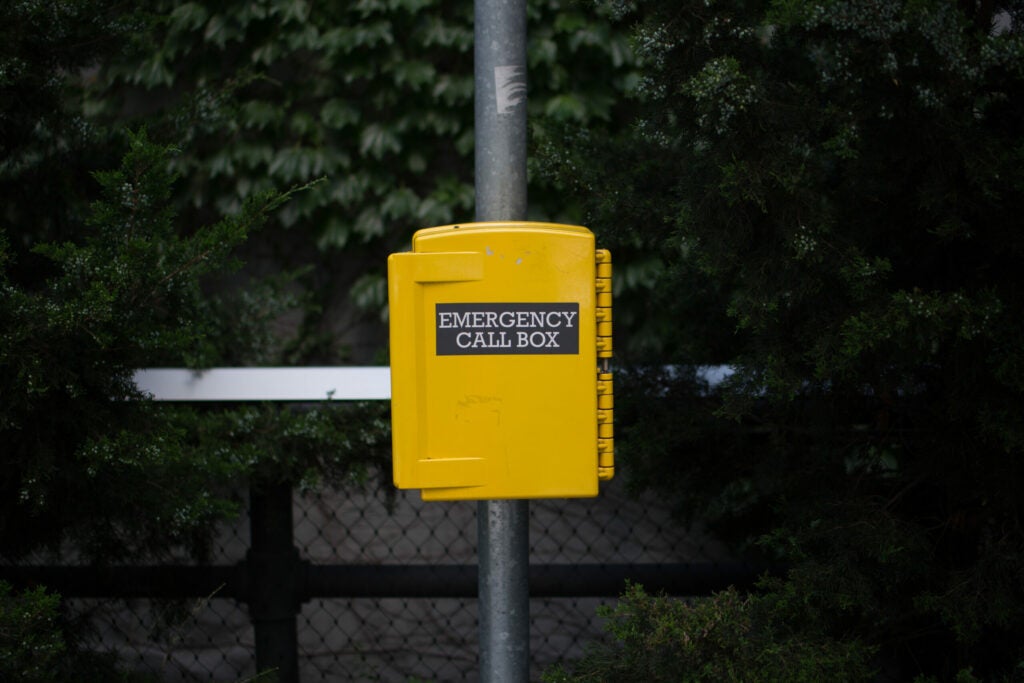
pixel 273 562
pixel 500 117
pixel 500 136
pixel 504 590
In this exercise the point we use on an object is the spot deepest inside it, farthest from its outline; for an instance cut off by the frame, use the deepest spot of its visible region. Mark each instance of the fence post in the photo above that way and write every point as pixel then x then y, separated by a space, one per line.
pixel 273 564
pixel 500 187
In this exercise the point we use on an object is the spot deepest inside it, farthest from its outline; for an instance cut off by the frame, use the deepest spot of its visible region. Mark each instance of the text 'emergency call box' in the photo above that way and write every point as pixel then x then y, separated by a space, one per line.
pixel 498 332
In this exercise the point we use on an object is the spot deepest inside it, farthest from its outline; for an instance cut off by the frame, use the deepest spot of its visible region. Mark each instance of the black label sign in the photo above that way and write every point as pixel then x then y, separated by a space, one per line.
pixel 507 329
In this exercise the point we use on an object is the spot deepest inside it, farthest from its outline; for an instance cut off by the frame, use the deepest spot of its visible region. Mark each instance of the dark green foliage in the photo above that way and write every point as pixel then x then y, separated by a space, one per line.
pixel 105 273
pixel 726 637
pixel 47 148
pixel 375 96
pixel 828 196
pixel 31 645
pixel 125 286
pixel 41 42
pixel 135 268
pixel 326 444
pixel 100 277
pixel 83 457
pixel 378 96
pixel 34 644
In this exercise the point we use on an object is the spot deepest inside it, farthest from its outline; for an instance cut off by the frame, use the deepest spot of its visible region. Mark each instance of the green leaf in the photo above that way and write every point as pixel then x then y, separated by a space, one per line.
pixel 414 74
pixel 399 203
pixel 260 114
pixel 568 107
pixel 188 16
pixel 378 140
pixel 370 292
pixel 369 224
pixel 338 113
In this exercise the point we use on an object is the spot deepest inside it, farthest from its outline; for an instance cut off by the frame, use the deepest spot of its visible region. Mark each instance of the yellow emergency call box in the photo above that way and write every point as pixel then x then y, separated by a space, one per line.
pixel 500 343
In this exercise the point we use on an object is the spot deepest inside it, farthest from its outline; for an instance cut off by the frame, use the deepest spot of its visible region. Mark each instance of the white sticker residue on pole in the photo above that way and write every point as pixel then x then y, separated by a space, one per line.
pixel 509 87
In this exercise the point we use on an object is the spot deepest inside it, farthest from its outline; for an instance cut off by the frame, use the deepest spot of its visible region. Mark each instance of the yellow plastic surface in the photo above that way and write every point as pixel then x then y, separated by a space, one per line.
pixel 490 399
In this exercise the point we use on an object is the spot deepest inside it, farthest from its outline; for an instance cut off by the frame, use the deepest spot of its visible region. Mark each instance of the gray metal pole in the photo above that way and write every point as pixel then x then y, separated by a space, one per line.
pixel 500 120
pixel 504 590
pixel 500 134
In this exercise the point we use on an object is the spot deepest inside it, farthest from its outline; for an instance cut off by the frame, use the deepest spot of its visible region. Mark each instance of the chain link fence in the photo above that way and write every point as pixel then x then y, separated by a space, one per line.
pixel 396 638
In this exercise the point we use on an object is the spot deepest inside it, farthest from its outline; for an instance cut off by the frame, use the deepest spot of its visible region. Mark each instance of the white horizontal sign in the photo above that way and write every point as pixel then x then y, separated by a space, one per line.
pixel 266 384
